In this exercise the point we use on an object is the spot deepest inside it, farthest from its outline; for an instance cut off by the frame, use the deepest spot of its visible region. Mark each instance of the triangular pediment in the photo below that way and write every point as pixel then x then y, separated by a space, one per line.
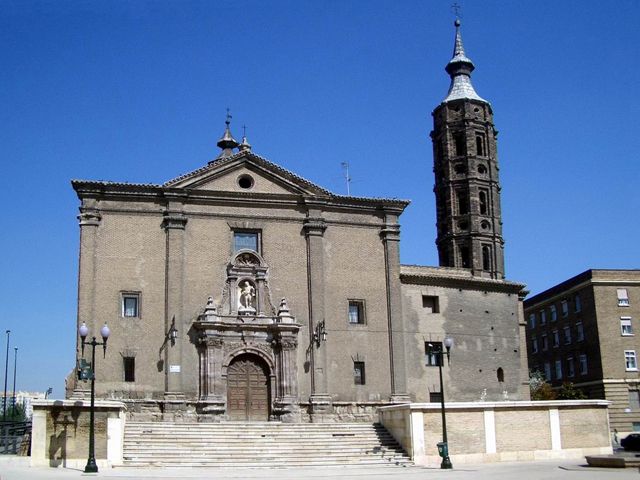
pixel 246 172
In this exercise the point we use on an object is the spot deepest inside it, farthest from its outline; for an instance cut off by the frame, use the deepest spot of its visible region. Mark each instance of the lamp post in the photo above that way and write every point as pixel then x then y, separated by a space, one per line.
pixel 447 343
pixel 92 467
pixel 15 363
pixel 6 372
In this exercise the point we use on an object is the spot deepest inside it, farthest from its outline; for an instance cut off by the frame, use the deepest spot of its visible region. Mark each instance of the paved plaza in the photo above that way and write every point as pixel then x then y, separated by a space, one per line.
pixel 553 470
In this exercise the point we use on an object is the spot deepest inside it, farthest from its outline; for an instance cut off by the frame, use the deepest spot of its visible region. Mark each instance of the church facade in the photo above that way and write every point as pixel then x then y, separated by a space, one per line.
pixel 241 291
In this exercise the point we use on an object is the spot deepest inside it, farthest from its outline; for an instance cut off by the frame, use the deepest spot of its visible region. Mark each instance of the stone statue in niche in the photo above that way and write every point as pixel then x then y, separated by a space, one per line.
pixel 246 298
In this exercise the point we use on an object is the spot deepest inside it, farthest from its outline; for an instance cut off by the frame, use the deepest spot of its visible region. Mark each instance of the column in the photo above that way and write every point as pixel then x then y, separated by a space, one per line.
pixel 390 235
pixel 174 224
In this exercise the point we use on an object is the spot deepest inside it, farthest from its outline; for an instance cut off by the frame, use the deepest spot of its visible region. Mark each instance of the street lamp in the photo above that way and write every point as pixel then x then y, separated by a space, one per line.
pixel 83 331
pixel 6 372
pixel 438 352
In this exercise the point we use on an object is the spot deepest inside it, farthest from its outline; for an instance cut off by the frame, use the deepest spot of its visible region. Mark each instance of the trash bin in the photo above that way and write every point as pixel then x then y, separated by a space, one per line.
pixel 443 449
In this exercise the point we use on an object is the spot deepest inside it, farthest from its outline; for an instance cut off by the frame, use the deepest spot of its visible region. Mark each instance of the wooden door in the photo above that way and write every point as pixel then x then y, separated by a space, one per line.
pixel 247 390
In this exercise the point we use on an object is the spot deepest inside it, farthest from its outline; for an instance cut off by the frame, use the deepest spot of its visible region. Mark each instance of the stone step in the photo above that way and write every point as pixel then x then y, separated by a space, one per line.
pixel 259 444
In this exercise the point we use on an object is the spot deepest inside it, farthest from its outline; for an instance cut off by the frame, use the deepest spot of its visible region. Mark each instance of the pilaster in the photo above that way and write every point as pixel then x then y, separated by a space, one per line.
pixel 390 235
pixel 314 228
pixel 174 223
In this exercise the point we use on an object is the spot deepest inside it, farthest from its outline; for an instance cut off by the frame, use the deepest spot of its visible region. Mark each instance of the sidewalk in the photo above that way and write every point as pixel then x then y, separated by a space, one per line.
pixel 555 470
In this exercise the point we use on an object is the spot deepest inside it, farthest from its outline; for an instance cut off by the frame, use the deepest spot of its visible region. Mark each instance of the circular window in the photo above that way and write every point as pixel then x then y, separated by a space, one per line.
pixel 485 225
pixel 482 169
pixel 245 181
pixel 476 109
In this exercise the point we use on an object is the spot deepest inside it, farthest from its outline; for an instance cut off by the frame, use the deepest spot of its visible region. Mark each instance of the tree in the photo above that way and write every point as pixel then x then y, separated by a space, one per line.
pixel 569 391
pixel 539 387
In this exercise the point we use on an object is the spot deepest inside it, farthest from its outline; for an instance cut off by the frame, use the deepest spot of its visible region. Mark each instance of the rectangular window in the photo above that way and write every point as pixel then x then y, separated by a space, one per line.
pixel 435 397
pixel 430 304
pixel 130 304
pixel 558 369
pixel 433 353
pixel 480 145
pixel 556 338
pixel 358 373
pixel 567 335
pixel 547 370
pixel 534 345
pixel 577 303
pixel 623 297
pixel 532 320
pixel 635 426
pixel 463 202
pixel 356 312
pixel 564 307
pixel 243 240
pixel 460 143
pixel 625 326
pixel 543 317
pixel 553 311
pixel 630 362
pixel 571 370
pixel 545 342
pixel 583 364
pixel 579 332
pixel 634 399
pixel 129 364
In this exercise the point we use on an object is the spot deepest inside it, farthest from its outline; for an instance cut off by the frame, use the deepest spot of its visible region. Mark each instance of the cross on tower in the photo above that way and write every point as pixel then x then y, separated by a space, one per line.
pixel 456 8
pixel 228 120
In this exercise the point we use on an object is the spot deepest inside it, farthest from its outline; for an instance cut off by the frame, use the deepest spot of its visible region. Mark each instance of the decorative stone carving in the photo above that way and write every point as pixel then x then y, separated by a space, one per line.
pixel 215 342
pixel 246 259
pixel 288 343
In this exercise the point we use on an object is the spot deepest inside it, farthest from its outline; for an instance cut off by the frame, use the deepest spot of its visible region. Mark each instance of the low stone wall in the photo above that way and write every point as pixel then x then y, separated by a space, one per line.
pixel 60 433
pixel 501 431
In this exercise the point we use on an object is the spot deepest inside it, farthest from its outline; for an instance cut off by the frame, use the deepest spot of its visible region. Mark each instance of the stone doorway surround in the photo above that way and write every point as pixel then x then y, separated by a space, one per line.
pixel 246 323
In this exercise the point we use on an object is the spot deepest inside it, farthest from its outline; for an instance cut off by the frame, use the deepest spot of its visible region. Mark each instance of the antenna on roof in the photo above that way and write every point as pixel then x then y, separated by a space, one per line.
pixel 456 9
pixel 347 177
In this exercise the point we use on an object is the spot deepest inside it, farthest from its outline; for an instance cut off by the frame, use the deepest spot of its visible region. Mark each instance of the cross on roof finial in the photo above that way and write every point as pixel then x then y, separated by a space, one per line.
pixel 456 8
pixel 244 130
pixel 228 120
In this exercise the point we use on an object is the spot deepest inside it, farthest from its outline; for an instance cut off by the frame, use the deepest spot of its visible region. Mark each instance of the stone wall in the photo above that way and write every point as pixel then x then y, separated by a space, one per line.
pixel 60 433
pixel 501 431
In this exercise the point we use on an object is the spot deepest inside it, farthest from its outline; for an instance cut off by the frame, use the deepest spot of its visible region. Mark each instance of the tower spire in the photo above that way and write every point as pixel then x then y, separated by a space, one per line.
pixel 227 143
pixel 459 69
pixel 244 145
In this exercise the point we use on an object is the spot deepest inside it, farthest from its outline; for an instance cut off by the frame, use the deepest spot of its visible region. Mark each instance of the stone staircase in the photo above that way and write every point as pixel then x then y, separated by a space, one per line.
pixel 268 444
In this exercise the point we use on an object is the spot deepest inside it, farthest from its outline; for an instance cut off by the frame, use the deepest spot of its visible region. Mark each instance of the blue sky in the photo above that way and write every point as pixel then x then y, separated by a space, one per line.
pixel 137 90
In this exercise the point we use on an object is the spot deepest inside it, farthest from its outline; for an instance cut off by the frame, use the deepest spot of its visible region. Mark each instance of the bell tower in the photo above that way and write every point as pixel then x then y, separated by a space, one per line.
pixel 466 169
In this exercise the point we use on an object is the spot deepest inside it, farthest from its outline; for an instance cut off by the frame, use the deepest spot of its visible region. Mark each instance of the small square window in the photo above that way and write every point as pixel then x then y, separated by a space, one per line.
pixel 358 373
pixel 433 352
pixel 435 397
pixel 623 297
pixel 129 364
pixel 243 240
pixel 430 304
pixel 356 312
pixel 625 326
pixel 131 305
pixel 631 363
